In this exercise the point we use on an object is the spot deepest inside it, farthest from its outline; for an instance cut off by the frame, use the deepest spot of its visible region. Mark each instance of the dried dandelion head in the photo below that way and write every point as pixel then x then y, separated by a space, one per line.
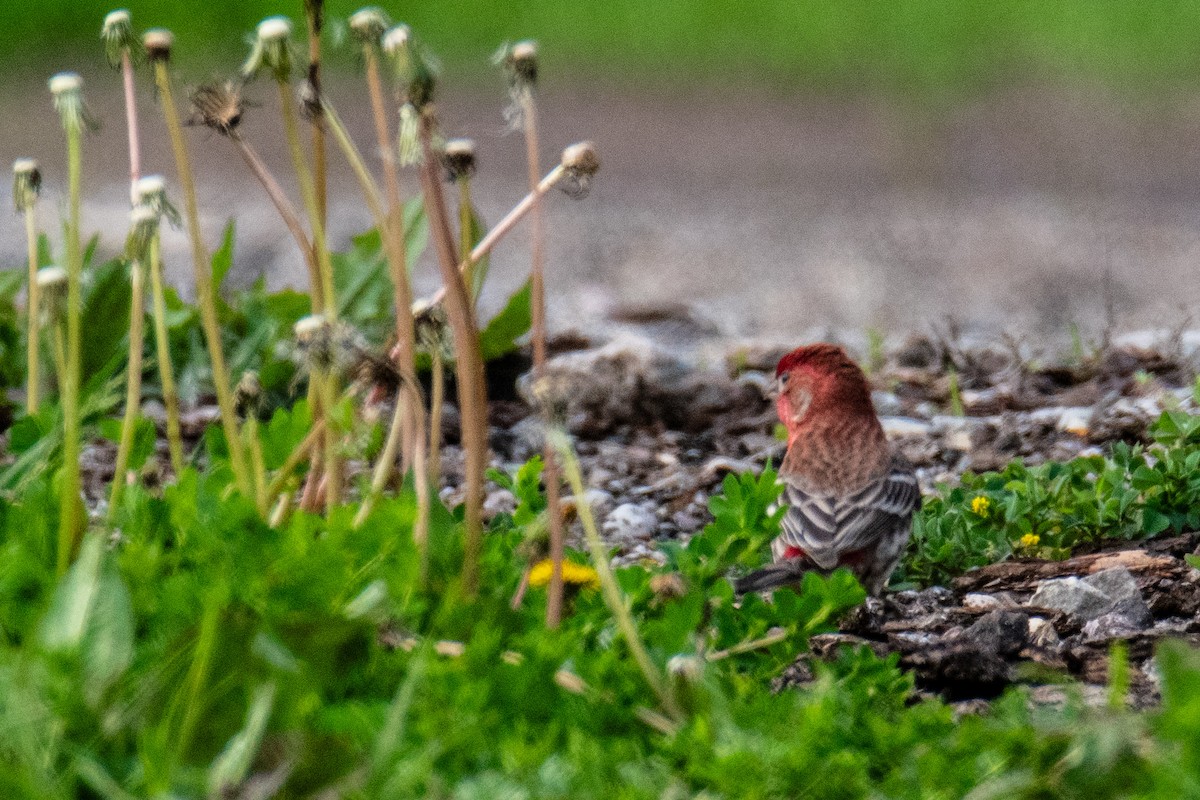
pixel 27 184
pixel 143 225
pixel 248 396
pixel 271 49
pixel 52 284
pixel 432 329
pixel 117 33
pixel 217 106
pixel 151 191
pixel 551 396
pixel 368 25
pixel 415 69
pixel 67 89
pixel 157 43
pixel 458 157
pixel 327 345
pixel 520 64
pixel 581 163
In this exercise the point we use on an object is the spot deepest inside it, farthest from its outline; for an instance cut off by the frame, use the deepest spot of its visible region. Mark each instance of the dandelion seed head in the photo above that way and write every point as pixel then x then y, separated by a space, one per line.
pixel 274 29
pixel 158 43
pixel 369 25
pixel 65 83
pixel 50 277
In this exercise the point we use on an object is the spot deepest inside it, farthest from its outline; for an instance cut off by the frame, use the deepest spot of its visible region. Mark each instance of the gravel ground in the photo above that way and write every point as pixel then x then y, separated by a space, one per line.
pixel 657 433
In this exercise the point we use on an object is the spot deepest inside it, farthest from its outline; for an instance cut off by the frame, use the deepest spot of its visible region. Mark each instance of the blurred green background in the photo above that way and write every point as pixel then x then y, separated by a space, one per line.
pixel 893 46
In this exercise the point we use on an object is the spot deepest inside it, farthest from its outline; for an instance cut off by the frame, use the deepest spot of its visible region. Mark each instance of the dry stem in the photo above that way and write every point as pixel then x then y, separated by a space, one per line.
pixel 550 476
pixel 323 294
pixel 133 384
pixel 203 276
pixel 493 236
pixel 162 346
pixel 392 231
pixel 131 124
pixel 284 206
pixel 472 391
pixel 33 359
pixel 71 519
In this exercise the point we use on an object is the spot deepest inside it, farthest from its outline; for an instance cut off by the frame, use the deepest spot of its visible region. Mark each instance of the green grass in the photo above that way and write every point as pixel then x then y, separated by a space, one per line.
pixel 912 47
pixel 194 649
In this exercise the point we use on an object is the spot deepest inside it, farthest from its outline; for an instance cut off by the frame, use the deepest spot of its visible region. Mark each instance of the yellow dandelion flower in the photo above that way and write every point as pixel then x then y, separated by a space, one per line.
pixel 573 574
pixel 982 506
pixel 1030 541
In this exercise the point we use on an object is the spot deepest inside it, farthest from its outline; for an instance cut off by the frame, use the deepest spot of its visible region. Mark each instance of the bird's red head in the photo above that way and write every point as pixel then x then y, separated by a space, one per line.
pixel 816 381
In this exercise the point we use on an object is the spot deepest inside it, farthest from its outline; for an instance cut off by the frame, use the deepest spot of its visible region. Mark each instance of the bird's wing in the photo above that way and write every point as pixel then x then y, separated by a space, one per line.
pixel 825 526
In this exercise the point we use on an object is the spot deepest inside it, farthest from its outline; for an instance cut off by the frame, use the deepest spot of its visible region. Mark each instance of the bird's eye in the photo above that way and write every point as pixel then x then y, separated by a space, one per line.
pixel 783 379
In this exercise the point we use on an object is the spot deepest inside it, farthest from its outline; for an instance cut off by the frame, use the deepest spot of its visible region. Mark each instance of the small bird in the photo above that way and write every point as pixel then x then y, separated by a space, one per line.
pixel 850 498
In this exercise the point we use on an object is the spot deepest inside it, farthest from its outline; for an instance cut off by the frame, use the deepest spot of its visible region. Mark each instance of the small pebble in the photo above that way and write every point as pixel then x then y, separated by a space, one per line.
pixel 501 501
pixel 977 601
pixel 628 522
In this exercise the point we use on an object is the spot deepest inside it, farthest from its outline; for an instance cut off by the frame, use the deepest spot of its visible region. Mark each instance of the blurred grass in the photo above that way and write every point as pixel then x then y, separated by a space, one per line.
pixel 908 46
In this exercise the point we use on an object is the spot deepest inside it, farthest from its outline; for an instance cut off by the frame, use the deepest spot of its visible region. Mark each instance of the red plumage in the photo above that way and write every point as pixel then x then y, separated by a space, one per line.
pixel 850 498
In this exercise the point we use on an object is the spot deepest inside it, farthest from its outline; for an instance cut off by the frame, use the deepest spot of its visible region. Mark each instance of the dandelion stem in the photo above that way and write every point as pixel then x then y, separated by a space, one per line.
pixel 283 205
pixel 408 403
pixel 133 384
pixel 465 240
pixel 131 123
pixel 472 391
pixel 383 465
pixel 33 357
pixel 510 221
pixel 437 397
pixel 608 584
pixel 71 521
pixel 293 460
pixel 60 353
pixel 550 475
pixel 204 288
pixel 392 231
pixel 323 295
pixel 327 383
pixel 314 17
pixel 257 463
pixel 162 349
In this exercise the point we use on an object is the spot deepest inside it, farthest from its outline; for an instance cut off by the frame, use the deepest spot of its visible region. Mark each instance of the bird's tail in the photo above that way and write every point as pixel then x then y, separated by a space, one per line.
pixel 772 576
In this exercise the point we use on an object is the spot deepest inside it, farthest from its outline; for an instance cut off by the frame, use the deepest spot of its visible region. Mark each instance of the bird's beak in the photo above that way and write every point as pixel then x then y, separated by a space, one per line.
pixel 775 390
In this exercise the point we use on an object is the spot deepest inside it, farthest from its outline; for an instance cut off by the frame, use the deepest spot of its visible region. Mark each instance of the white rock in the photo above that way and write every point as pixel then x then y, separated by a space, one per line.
pixel 1074 420
pixel 905 427
pixel 600 501
pixel 628 522
pixel 978 601
pixel 501 501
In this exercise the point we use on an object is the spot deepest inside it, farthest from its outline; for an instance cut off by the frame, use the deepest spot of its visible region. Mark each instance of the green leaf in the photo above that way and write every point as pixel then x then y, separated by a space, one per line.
pixel 222 258
pixel 105 319
pixel 109 641
pixel 284 432
pixel 45 251
pixel 500 336
pixel 1154 522
pixel 230 767
pixel 74 597
pixel 11 282
pixel 480 270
